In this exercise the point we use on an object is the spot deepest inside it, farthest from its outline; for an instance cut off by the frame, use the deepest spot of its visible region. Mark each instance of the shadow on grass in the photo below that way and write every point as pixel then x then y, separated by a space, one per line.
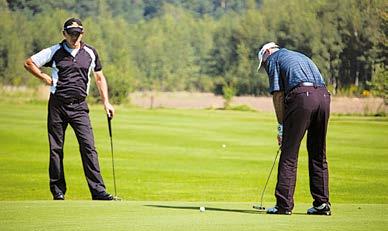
pixel 207 209
pixel 252 211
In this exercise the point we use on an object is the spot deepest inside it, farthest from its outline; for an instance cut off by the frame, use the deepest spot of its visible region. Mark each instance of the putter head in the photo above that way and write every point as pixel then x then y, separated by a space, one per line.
pixel 260 208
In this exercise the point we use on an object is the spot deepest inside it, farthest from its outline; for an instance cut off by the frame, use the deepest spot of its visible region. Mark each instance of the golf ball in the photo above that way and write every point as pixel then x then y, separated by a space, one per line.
pixel 224 145
pixel 202 209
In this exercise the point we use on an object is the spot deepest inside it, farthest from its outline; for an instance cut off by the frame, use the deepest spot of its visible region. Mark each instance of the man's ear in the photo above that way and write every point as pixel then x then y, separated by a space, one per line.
pixel 266 54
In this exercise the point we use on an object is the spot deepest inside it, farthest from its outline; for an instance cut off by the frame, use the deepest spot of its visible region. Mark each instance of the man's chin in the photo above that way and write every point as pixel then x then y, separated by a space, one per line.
pixel 74 45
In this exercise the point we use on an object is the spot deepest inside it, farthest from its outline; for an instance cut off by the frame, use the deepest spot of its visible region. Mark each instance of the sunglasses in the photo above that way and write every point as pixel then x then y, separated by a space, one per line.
pixel 73 33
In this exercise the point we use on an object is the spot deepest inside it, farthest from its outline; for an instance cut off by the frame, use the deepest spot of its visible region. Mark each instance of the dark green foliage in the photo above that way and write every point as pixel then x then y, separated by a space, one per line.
pixel 204 45
pixel 379 83
pixel 119 90
pixel 119 84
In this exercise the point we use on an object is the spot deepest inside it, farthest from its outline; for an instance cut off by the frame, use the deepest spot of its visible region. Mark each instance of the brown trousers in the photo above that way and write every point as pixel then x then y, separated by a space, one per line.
pixel 306 109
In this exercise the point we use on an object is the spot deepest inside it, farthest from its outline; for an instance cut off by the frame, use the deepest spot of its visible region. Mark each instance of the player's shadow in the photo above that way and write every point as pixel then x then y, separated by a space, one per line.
pixel 251 211
pixel 207 209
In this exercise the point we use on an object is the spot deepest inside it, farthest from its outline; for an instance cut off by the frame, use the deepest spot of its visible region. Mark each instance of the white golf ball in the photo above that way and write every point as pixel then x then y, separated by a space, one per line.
pixel 224 145
pixel 202 209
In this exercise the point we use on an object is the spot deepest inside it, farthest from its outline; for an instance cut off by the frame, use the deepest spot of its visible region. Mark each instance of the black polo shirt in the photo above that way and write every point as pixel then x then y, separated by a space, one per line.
pixel 71 69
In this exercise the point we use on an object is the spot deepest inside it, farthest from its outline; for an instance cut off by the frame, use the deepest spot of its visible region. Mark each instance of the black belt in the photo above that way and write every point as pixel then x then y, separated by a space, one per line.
pixel 306 84
pixel 68 101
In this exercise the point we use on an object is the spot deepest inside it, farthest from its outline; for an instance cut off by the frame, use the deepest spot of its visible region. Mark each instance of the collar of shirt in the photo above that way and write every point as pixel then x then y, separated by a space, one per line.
pixel 276 53
pixel 73 52
pixel 272 57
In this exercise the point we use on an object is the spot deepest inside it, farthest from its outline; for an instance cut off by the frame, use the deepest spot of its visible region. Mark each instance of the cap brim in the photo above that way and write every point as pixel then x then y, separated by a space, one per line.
pixel 74 30
pixel 260 61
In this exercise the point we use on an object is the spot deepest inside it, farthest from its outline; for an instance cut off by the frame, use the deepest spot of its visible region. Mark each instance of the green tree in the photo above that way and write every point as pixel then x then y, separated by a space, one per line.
pixel 359 29
pixel 203 45
pixel 379 82
pixel 13 46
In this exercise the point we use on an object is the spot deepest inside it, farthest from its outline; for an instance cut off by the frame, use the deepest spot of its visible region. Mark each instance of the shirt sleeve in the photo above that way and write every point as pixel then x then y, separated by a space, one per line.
pixel 274 76
pixel 97 62
pixel 44 56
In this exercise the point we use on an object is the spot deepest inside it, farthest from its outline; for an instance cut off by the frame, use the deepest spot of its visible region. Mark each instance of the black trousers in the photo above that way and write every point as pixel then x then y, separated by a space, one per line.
pixel 306 108
pixel 76 113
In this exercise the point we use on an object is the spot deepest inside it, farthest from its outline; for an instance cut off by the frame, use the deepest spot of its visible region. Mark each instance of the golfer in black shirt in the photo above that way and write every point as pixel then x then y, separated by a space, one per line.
pixel 71 62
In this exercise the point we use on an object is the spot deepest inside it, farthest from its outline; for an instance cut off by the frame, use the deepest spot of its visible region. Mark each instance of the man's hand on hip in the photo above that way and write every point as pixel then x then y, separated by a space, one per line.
pixel 47 79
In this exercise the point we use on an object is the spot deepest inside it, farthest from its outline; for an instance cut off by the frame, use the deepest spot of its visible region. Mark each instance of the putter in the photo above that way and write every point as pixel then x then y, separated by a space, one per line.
pixel 111 149
pixel 261 207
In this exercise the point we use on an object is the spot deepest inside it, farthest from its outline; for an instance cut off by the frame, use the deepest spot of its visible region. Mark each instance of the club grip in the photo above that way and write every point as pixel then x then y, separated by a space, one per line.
pixel 109 125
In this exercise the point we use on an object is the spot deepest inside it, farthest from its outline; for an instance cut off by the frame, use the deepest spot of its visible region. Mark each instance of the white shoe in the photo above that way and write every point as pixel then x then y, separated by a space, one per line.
pixel 323 209
pixel 275 210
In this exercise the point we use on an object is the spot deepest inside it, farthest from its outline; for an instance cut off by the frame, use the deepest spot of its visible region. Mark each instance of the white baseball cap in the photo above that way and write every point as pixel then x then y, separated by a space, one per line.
pixel 260 54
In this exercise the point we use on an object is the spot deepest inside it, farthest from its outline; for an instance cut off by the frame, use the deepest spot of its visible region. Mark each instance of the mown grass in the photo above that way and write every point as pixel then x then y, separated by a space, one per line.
pixel 156 215
pixel 173 155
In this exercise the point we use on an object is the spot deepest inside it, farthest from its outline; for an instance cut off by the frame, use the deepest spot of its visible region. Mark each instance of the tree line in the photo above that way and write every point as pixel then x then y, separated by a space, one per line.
pixel 202 45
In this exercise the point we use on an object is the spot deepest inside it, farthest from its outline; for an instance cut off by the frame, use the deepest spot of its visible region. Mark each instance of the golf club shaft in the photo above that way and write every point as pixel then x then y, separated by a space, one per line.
pixel 111 149
pixel 269 176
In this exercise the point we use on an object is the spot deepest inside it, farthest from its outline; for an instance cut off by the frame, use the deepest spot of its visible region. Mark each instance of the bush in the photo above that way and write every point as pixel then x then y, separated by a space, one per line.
pixel 228 93
pixel 119 90
pixel 242 107
pixel 119 87
pixel 350 91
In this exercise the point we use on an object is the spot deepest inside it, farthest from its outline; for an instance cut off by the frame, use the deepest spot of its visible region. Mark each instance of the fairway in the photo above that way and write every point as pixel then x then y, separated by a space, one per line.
pixel 170 162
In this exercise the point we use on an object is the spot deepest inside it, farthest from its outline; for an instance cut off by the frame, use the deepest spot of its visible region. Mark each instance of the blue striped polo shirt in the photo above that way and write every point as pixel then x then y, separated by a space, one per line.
pixel 287 69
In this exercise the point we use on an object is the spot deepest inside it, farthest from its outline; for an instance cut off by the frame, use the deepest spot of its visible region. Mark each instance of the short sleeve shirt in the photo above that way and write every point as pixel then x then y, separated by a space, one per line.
pixel 70 70
pixel 287 69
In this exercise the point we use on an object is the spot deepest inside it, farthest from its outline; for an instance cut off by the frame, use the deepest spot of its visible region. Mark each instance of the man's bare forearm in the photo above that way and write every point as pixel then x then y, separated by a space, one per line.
pixel 278 103
pixel 102 86
pixel 103 89
pixel 30 66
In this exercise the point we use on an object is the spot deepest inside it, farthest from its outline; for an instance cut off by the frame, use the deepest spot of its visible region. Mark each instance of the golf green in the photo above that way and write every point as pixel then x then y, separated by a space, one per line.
pixel 154 215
